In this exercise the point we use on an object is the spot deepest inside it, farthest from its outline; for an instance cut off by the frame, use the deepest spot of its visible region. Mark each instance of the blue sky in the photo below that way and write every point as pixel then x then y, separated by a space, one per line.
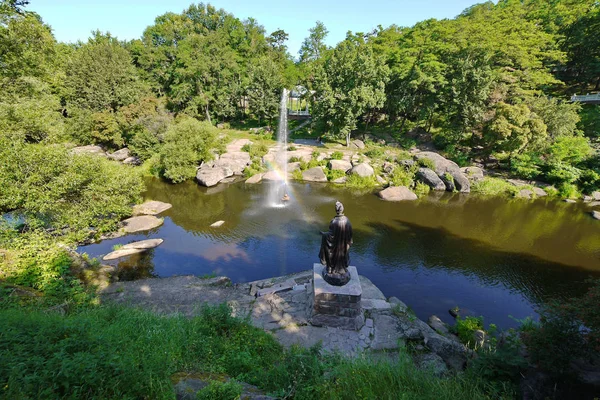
pixel 73 20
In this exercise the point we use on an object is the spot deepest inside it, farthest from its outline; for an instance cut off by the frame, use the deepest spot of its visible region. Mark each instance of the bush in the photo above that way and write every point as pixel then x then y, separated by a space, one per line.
pixel 294 159
pixel 337 155
pixel 333 174
pixel 400 176
pixel 466 327
pixel 560 172
pixel 220 391
pixel 421 189
pixel 568 191
pixel 374 153
pixel 494 187
pixel 358 182
pixel 526 166
pixel 426 163
pixel 187 143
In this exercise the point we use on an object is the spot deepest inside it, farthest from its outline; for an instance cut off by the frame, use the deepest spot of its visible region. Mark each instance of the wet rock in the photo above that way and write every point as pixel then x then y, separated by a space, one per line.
pixel 141 223
pixel 209 176
pixel 254 178
pixel 152 207
pixel 430 178
pixel 272 176
pixel 397 193
pixel 96 150
pixel 340 165
pixel 570 201
pixel 363 170
pixel 437 325
pixel 217 224
pixel 596 214
pixel 315 174
pixel 340 180
pixel 120 155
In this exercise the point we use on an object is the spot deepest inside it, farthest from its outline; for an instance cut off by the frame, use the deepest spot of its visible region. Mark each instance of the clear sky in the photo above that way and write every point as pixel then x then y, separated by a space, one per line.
pixel 73 20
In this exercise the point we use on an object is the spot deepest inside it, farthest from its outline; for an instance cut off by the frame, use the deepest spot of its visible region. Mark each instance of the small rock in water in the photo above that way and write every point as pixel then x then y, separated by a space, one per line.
pixel 121 253
pixel 143 244
pixel 217 224
pixel 570 201
pixel 596 214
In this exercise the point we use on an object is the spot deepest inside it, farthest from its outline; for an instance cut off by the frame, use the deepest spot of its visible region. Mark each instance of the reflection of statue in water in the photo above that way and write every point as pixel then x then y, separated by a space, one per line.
pixel 285 196
pixel 335 245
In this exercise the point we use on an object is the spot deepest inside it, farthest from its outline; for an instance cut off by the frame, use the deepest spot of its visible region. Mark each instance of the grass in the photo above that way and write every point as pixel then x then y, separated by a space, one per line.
pixel 494 187
pixel 119 353
pixel 358 182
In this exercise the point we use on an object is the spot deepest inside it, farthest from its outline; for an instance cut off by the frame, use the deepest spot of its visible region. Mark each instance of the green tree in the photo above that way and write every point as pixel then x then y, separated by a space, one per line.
pixel 264 90
pixel 101 75
pixel 350 83
pixel 187 143
pixel 314 45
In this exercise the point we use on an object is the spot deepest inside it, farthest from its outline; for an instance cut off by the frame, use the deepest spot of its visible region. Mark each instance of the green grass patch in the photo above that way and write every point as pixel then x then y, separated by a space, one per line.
pixel 358 182
pixel 333 174
pixel 337 155
pixel 494 187
pixel 297 175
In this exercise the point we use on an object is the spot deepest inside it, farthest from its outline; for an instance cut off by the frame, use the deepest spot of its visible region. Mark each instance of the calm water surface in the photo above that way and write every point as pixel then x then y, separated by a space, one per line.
pixel 493 257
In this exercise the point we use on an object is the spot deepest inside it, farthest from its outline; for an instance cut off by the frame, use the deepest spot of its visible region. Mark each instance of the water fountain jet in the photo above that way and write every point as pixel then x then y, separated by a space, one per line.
pixel 278 194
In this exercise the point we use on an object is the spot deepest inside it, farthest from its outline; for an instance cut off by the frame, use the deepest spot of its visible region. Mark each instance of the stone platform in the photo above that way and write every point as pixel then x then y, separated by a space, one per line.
pixel 336 306
pixel 285 311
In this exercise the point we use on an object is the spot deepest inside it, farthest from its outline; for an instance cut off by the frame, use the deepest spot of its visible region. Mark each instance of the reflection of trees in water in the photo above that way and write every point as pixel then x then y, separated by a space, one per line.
pixel 136 266
pixel 412 246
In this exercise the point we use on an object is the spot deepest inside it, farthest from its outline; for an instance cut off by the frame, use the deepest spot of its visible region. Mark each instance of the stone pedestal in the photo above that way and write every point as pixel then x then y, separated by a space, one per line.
pixel 336 306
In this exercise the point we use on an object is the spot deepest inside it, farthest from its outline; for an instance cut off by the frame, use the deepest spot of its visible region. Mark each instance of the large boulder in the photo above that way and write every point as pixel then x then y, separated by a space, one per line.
pixel 254 178
pixel 152 207
pixel 595 196
pixel 474 174
pixel 315 174
pixel 340 165
pixel 236 161
pixel 461 182
pixel 397 193
pixel 453 353
pixel 363 170
pixel 120 155
pixel 272 176
pixel 443 166
pixel 448 180
pixel 357 144
pixel 209 176
pixel 430 178
pixel 141 223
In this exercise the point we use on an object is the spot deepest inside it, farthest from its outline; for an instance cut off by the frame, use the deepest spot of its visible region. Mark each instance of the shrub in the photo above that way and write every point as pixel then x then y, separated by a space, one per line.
pixel 374 153
pixel 292 148
pixel 358 182
pixel 525 166
pixel 421 189
pixel 568 191
pixel 401 177
pixel 493 187
pixel 426 163
pixel 186 144
pixel 560 172
pixel 333 174
pixel 220 391
pixel 337 155
pixel 294 159
pixel 466 327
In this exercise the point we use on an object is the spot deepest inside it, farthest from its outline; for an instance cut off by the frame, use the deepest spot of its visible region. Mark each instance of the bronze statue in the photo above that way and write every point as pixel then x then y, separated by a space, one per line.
pixel 335 246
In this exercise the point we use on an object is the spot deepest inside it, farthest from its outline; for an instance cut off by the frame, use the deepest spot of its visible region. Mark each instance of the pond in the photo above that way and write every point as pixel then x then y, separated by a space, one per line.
pixel 496 257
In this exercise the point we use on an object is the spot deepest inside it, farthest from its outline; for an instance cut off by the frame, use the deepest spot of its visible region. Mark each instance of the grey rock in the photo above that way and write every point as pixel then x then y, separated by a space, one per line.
pixel 525 194
pixel 217 224
pixel 570 201
pixel 95 150
pixel 132 161
pixel 375 305
pixel 474 174
pixel 539 192
pixel 141 223
pixel 369 290
pixel 357 144
pixel 293 166
pixel 386 335
pixel 595 195
pixel 448 182
pixel 120 155
pixel 209 176
pixel 380 180
pixel 340 180
pixel 363 170
pixel 152 207
pixel 236 161
pixel 121 253
pixel 397 193
pixel 254 179
pixel 596 214
pixel 454 354
pixel 431 362
pixel 397 303
pixel 315 174
pixel 272 176
pixel 143 244
pixel 441 164
pixel 339 165
pixel 437 325
pixel 388 167
pixel 430 178
pixel 461 181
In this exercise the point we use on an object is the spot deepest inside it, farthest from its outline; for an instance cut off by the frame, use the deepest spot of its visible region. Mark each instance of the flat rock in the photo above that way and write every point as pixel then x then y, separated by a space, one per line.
pixel 279 287
pixel 363 170
pixel 474 174
pixel 143 244
pixel 122 253
pixel 315 174
pixel 437 325
pixel 539 192
pixel 429 177
pixel 209 176
pixel 120 155
pixel 375 304
pixel 217 224
pixel 152 207
pixel 595 196
pixel 369 290
pixel 357 144
pixel 272 176
pixel 340 180
pixel 141 223
pixel 236 161
pixel 525 194
pixel 254 178
pixel 339 165
pixel 386 334
pixel 596 214
pixel 397 193
pixel 96 150
pixel 570 201
pixel 132 161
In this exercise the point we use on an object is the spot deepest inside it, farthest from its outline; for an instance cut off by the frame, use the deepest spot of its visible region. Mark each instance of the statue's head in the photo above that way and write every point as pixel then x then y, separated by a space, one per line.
pixel 339 208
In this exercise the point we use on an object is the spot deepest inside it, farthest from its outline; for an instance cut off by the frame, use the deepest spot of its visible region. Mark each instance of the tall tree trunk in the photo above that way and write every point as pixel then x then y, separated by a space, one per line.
pixel 348 139
pixel 207 114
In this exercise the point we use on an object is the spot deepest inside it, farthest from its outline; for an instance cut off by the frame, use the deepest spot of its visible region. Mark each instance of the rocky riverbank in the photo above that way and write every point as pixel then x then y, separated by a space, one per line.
pixel 280 305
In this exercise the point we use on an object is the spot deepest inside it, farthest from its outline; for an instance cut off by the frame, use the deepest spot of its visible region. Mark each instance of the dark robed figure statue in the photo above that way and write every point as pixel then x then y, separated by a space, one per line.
pixel 335 245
